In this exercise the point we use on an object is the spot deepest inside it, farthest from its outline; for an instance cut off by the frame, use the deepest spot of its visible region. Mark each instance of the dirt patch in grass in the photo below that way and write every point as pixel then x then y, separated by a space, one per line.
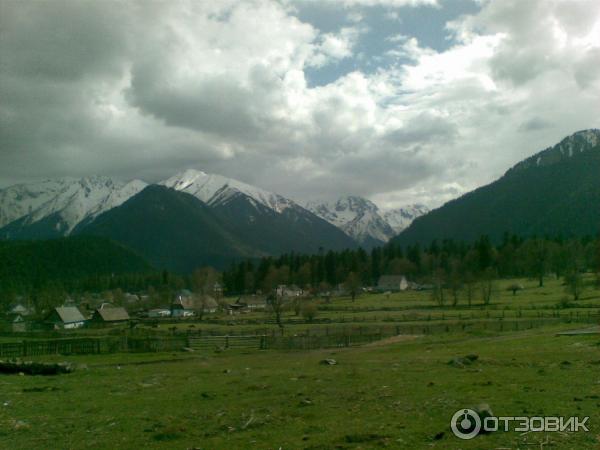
pixel 393 340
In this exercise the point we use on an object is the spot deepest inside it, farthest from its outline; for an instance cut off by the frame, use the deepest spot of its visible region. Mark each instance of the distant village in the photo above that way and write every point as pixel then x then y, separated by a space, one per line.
pixel 96 310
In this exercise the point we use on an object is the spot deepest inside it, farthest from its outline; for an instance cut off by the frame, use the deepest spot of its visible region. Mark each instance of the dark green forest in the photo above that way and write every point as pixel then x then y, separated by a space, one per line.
pixel 447 263
pixel 46 272
pixel 27 265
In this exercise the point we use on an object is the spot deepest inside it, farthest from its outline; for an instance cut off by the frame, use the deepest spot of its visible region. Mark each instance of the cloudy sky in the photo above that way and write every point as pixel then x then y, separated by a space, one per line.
pixel 400 101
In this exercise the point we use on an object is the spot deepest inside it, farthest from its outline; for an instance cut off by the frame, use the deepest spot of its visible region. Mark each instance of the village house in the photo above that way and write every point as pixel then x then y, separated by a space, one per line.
pixel 109 315
pixel 289 291
pixel 158 313
pixel 392 283
pixel 187 304
pixel 183 307
pixel 16 323
pixel 255 303
pixel 65 317
pixel 21 309
pixel 237 307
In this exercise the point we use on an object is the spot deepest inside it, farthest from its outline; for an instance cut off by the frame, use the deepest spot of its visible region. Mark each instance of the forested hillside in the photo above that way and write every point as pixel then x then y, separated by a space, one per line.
pixel 553 193
pixel 34 264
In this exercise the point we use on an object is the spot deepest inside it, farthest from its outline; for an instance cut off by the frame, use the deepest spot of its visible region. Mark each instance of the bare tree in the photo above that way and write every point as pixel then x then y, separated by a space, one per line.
pixel 437 292
pixel 574 284
pixel 275 299
pixel 309 311
pixel 352 283
pixel 488 285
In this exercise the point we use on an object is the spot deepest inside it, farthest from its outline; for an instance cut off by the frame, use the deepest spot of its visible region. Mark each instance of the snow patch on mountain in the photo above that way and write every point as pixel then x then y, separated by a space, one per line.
pixel 579 142
pixel 73 199
pixel 362 220
pixel 216 190
pixel 400 218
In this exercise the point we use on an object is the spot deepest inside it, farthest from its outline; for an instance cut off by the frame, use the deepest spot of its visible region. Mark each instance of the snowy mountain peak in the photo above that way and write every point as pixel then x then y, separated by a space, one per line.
pixel 362 220
pixel 71 200
pixel 401 218
pixel 579 142
pixel 215 189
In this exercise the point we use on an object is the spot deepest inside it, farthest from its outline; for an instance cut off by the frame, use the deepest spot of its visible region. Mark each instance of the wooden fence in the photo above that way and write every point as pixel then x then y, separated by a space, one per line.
pixel 225 342
pixel 310 338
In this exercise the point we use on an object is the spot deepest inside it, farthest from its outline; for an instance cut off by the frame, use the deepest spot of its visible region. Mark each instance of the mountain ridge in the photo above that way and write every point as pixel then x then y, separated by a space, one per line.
pixel 544 194
pixel 363 220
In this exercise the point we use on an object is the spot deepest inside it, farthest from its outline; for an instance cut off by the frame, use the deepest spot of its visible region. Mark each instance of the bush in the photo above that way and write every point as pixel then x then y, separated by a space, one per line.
pixel 309 311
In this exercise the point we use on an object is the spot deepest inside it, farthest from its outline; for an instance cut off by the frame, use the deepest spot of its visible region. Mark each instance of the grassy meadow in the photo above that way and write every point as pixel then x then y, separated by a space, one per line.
pixel 398 393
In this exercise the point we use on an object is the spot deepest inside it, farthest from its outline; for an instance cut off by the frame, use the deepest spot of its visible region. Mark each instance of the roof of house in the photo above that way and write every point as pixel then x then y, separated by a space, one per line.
pixel 69 314
pixel 185 302
pixel 195 302
pixel 19 308
pixel 15 317
pixel 209 302
pixel 113 314
pixel 391 279
pixel 253 300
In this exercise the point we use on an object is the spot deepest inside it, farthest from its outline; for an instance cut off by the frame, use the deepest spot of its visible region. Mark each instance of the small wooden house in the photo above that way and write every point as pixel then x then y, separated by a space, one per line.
pixel 67 317
pixel 392 283
pixel 159 312
pixel 17 322
pixel 110 316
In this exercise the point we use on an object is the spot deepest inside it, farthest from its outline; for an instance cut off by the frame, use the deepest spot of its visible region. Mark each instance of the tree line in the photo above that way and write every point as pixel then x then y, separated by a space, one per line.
pixel 445 264
pixel 446 267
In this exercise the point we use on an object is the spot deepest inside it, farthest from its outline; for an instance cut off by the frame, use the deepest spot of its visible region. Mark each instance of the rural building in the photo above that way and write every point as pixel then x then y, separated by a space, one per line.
pixel 108 315
pixel 188 304
pixel 19 308
pixel 237 307
pixel 218 290
pixel 255 302
pixel 183 306
pixel 159 312
pixel 289 291
pixel 392 283
pixel 67 317
pixel 208 304
pixel 16 323
pixel 131 299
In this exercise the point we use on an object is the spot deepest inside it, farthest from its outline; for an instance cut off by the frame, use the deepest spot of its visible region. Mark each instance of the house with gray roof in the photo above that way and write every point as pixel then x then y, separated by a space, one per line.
pixel 109 315
pixel 392 283
pixel 66 317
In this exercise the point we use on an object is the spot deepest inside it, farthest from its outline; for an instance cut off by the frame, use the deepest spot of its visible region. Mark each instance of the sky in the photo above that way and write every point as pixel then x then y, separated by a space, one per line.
pixel 399 101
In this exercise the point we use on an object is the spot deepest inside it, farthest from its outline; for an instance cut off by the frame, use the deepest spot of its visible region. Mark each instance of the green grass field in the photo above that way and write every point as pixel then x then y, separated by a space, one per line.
pixel 396 393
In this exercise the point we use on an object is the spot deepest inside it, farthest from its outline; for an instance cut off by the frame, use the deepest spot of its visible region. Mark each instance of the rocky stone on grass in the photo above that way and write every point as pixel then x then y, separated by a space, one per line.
pixel 328 362
pixel 35 368
pixel 462 361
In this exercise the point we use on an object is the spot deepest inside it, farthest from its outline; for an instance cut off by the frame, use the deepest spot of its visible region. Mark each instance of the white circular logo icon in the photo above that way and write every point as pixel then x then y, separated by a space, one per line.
pixel 465 424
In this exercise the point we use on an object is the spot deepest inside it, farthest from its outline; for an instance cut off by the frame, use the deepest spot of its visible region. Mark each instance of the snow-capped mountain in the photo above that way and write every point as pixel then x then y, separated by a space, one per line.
pixel 362 220
pixel 579 142
pixel 55 207
pixel 271 223
pixel 217 190
pixel 358 217
pixel 401 218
